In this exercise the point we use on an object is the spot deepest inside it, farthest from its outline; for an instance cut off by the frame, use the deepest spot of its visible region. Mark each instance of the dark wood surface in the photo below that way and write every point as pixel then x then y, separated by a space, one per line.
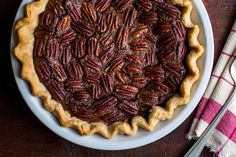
pixel 23 135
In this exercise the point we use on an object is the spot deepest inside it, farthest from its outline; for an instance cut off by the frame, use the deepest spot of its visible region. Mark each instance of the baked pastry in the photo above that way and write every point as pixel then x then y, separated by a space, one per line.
pixel 109 66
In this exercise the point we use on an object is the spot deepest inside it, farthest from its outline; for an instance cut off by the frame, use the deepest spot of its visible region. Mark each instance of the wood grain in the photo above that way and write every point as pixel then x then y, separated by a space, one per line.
pixel 23 135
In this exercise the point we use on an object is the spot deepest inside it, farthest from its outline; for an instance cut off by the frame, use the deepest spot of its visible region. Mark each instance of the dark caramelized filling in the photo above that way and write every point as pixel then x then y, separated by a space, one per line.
pixel 110 60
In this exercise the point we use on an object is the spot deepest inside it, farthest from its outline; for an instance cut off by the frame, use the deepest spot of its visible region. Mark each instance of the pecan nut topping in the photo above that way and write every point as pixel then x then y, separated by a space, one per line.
pixel 108 61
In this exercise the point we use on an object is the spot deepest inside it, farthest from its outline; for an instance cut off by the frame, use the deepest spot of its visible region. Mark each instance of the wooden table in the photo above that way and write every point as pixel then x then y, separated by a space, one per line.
pixel 23 135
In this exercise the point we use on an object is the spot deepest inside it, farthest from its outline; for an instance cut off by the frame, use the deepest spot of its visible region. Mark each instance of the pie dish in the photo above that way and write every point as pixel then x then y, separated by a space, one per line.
pixel 29 29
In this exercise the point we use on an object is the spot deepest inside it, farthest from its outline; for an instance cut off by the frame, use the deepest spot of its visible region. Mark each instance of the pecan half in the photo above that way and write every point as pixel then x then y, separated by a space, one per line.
pixel 102 24
pixel 102 5
pixel 179 30
pixel 115 64
pixel 89 12
pixel 43 70
pixel 139 31
pixel 106 105
pixel 181 51
pixel 84 29
pixel 129 17
pixel 53 49
pixel 57 91
pixel 148 97
pixel 59 73
pixel 74 86
pixel 106 55
pixel 67 37
pixel 66 56
pixel 168 9
pixel 148 18
pixel 96 91
pixel 93 47
pixel 40 48
pixel 93 63
pixel 64 24
pixel 107 83
pixel 121 5
pixel 168 44
pixel 156 73
pixel 73 10
pixel 144 5
pixel 132 68
pixel 106 39
pixel 112 21
pixel 115 116
pixel 126 91
pixel 79 48
pixel 130 108
pixel 122 38
pixel 56 7
pixel 138 45
pixel 76 70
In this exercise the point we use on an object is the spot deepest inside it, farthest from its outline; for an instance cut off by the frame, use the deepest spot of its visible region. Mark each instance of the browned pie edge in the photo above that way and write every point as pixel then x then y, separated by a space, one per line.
pixel 24 52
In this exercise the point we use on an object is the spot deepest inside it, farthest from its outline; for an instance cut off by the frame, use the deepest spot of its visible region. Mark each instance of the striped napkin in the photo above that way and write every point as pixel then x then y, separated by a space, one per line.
pixel 220 87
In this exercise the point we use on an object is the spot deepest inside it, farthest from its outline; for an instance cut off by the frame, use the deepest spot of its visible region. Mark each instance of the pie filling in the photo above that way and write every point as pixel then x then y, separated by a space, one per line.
pixel 110 60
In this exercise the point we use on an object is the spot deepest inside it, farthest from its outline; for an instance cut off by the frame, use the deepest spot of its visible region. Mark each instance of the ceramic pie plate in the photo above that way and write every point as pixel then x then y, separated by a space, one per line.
pixel 120 142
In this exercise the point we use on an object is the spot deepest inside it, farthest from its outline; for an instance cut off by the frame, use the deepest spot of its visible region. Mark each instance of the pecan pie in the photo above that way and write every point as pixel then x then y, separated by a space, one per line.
pixel 109 66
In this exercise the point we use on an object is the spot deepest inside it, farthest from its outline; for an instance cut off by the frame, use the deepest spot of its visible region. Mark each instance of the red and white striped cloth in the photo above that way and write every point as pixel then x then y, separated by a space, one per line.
pixel 220 86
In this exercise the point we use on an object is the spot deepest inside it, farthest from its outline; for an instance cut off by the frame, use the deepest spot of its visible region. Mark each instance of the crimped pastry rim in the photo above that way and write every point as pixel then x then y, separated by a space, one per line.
pixel 24 50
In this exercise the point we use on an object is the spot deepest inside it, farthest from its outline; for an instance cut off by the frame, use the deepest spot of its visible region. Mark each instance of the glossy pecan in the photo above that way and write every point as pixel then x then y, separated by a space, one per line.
pixel 73 10
pixel 115 64
pixel 112 21
pixel 148 97
pixel 148 18
pixel 82 112
pixel 181 51
pixel 102 24
pixel 92 79
pixel 106 39
pixel 156 73
pixel 93 47
pixel 40 48
pixel 89 12
pixel 43 70
pixel 84 29
pixel 81 97
pixel 95 91
pixel 138 81
pixel 144 5
pixel 102 5
pixel 59 72
pixel 132 68
pixel 168 56
pixel 139 31
pixel 135 58
pixel 151 57
pixel 126 91
pixel 56 7
pixel 67 37
pixel 129 17
pixel 66 55
pixel 76 70
pixel 106 55
pixel 130 108
pixel 74 86
pixel 168 44
pixel 107 83
pixel 106 105
pixel 57 91
pixel 93 63
pixel 179 30
pixel 115 116
pixel 64 24
pixel 79 48
pixel 168 9
pixel 53 49
pixel 162 28
pixel 121 5
pixel 176 69
pixel 138 45
pixel 160 88
pixel 121 38
pixel 121 77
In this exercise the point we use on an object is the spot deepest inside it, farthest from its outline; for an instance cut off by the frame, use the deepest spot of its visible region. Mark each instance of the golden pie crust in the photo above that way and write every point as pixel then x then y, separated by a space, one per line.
pixel 24 52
